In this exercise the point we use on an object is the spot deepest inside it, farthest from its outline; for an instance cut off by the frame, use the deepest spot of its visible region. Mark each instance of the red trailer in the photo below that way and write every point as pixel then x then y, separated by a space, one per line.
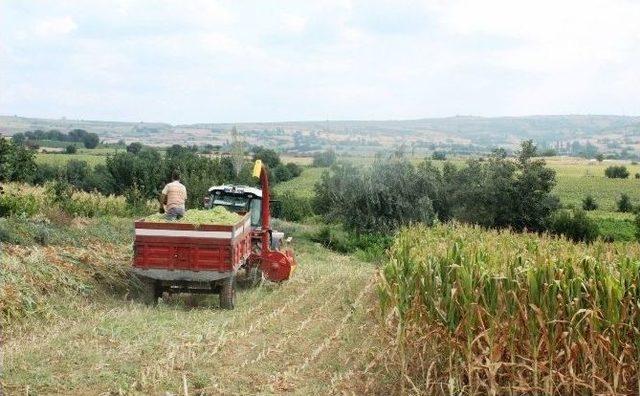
pixel 187 258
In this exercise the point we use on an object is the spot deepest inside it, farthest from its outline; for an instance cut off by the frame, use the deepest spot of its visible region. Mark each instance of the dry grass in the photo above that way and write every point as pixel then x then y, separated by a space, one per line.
pixel 310 335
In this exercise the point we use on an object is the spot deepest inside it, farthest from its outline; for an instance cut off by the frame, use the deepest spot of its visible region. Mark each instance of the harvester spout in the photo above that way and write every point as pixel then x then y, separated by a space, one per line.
pixel 275 264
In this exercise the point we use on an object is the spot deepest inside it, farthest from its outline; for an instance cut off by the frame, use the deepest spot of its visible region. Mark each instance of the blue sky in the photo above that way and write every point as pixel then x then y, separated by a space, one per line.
pixel 232 61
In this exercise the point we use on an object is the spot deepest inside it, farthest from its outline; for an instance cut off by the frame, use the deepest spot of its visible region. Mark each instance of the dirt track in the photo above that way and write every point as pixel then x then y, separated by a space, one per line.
pixel 310 335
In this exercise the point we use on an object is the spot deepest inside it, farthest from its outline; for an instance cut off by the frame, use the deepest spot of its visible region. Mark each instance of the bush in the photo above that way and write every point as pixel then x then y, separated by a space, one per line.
pixel 7 234
pixel 574 225
pixel 589 203
pixel 367 247
pixel 18 204
pixel 294 169
pixel 377 199
pixel 134 148
pixel 624 204
pixel 439 156
pixel 616 172
pixel 637 175
pixel 324 159
pixel 70 149
pixel 293 208
pixel 41 234
pixel 281 174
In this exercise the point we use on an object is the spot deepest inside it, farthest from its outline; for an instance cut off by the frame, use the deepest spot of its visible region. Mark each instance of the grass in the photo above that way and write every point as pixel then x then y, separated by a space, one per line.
pixel 280 338
pixel 476 311
pixel 62 159
pixel 303 185
pixel 578 177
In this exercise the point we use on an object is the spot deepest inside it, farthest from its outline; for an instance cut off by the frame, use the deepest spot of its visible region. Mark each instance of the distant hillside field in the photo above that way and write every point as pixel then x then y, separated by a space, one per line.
pixel 618 135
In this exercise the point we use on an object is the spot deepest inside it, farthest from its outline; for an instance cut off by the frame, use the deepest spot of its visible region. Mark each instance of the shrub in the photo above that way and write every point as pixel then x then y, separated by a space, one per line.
pixel 281 174
pixel 294 169
pixel 589 203
pixel 616 172
pixel 12 203
pixel 549 152
pixel 624 204
pixel 134 147
pixel 637 175
pixel 293 208
pixel 7 233
pixel 71 149
pixel 574 225
pixel 378 199
pixel 324 159
pixel 439 156
pixel 367 247
pixel 41 234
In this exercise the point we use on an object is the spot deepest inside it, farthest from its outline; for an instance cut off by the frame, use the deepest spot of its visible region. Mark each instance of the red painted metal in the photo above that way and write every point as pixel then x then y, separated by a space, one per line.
pixel 265 209
pixel 180 246
pixel 169 252
pixel 277 266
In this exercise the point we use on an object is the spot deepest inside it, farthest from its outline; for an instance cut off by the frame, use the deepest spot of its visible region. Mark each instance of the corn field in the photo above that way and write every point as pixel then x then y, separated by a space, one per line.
pixel 476 311
pixel 29 200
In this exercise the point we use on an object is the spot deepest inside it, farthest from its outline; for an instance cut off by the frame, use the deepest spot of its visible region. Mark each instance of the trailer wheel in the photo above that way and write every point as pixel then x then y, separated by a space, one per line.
pixel 228 293
pixel 149 291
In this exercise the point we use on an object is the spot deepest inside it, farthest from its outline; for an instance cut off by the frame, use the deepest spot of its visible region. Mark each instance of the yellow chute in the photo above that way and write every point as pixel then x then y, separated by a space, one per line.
pixel 257 168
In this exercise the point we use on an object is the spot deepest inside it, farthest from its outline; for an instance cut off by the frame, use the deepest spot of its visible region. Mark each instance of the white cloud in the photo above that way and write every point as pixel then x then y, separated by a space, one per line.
pixel 55 26
pixel 293 23
pixel 206 60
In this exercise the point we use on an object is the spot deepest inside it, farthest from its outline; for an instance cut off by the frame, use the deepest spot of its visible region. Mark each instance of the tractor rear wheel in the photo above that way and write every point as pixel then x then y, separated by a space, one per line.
pixel 228 293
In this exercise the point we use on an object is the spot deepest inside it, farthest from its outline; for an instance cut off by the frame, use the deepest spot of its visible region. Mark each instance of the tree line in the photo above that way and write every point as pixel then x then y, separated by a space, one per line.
pixel 496 192
pixel 31 138
pixel 140 174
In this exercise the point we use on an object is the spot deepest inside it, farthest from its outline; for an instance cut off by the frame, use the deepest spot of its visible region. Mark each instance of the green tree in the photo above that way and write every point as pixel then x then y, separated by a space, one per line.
pixel 17 163
pixel 324 159
pixel 269 157
pixel 281 173
pixel 76 172
pixel 134 147
pixel 90 140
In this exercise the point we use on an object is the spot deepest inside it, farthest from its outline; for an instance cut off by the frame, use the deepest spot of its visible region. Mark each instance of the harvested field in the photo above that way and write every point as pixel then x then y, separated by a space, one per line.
pixel 309 335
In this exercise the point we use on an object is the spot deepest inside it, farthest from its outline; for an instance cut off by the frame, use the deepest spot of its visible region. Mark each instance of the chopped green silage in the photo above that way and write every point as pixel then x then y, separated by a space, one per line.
pixel 216 215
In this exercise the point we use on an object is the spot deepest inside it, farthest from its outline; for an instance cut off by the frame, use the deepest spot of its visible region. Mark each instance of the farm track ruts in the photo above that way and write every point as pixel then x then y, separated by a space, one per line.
pixel 292 337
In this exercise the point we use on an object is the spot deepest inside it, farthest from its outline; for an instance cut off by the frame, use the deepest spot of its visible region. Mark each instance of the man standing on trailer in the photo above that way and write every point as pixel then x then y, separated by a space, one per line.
pixel 173 198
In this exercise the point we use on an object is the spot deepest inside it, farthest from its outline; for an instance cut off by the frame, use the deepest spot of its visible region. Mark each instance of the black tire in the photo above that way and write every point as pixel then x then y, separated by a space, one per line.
pixel 149 291
pixel 254 276
pixel 251 277
pixel 228 293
